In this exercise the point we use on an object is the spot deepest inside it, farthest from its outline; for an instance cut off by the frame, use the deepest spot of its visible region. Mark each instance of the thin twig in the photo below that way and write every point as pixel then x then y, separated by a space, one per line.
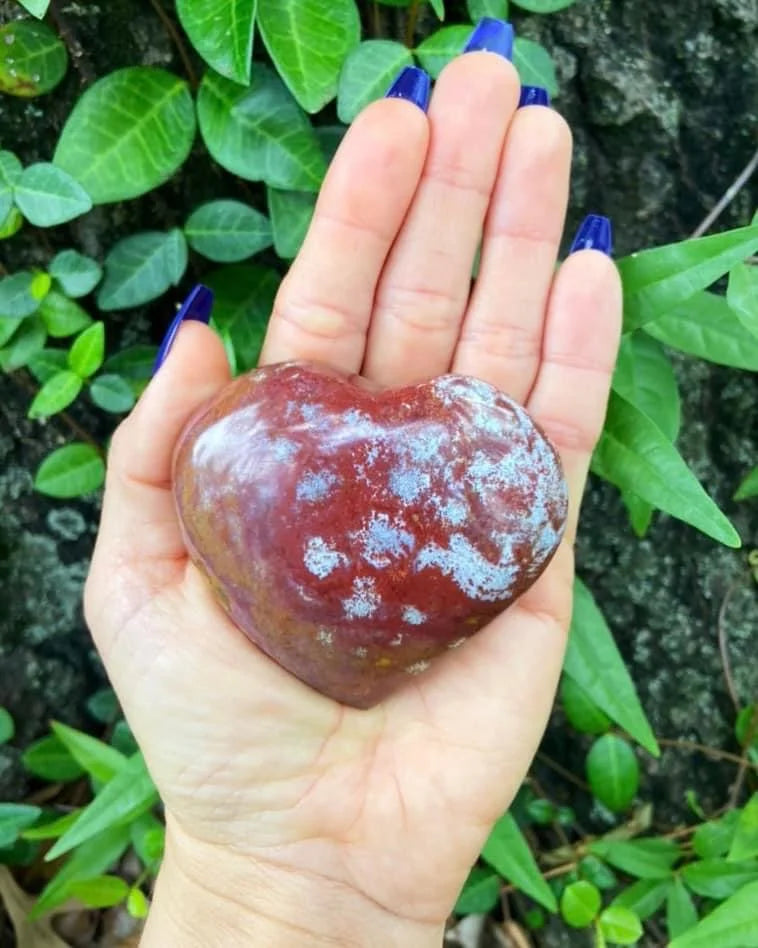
pixel 25 382
pixel 729 195
pixel 554 765
pixel 723 646
pixel 739 780
pixel 704 749
pixel 172 31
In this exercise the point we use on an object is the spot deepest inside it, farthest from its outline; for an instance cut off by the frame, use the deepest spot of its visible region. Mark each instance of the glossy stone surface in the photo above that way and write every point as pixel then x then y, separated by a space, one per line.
pixel 353 535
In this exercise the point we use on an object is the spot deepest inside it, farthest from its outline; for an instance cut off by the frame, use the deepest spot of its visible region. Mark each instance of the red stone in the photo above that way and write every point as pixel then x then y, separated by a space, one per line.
pixel 353 535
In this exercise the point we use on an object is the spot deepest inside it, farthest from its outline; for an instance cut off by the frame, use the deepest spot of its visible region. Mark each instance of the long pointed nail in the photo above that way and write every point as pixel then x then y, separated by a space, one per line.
pixel 197 306
pixel 533 95
pixel 594 233
pixel 412 84
pixel 494 36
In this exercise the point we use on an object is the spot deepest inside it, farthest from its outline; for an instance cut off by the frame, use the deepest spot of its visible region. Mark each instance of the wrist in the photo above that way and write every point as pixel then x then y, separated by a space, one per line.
pixel 205 897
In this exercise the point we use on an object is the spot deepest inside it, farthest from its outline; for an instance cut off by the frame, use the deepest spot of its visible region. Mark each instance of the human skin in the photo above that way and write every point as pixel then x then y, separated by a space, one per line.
pixel 292 819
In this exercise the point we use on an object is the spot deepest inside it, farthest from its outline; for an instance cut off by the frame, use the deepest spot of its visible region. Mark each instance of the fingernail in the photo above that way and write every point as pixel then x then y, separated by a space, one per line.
pixel 494 36
pixel 197 306
pixel 533 95
pixel 412 84
pixel 595 233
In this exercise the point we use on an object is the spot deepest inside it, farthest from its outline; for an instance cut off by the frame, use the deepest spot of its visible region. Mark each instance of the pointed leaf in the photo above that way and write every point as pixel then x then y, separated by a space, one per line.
pixel 480 893
pixel 62 316
pixel 681 914
pixel 745 843
pixel 291 213
pixel 259 132
pixel 37 8
pixel 50 759
pixel 48 196
pixel 142 267
pixel 507 851
pixel 222 33
pixel 112 393
pixel 594 662
pixel 136 904
pixel 582 713
pixel 367 73
pixel 53 829
pixel 742 295
pixel 100 760
pixel 33 60
pixel 47 363
pixel 644 897
pixel 15 817
pixel 227 231
pixel 535 65
pixel 76 274
pixel 634 454
pixel 717 878
pixel 128 133
pixel 657 280
pixel 10 172
pixel 748 486
pixel 86 354
pixel 100 891
pixel 643 858
pixel 733 924
pixel 7 727
pixel 613 773
pixel 308 41
pixel 56 394
pixel 70 471
pixel 436 51
pixel 714 838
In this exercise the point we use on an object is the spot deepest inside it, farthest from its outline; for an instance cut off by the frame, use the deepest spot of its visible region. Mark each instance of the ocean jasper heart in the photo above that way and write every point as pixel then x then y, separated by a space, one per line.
pixel 354 535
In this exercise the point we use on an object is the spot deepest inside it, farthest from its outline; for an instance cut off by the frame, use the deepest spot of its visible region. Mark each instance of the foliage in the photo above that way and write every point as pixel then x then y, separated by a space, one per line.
pixel 261 118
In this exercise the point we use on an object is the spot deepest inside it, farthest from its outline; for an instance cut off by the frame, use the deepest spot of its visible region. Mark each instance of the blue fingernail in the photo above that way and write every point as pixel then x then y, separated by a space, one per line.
pixel 533 95
pixel 197 306
pixel 412 84
pixel 595 233
pixel 494 36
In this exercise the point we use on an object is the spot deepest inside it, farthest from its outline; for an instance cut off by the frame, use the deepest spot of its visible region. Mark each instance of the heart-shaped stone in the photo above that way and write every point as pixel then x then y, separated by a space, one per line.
pixel 353 535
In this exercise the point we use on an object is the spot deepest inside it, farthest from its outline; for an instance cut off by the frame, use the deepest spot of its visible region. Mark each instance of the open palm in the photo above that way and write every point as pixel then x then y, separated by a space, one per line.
pixel 255 768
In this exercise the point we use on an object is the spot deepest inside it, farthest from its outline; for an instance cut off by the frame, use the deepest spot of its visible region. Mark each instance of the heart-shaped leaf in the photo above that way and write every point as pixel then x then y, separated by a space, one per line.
pixel 70 471
pixel 76 274
pixel 33 60
pixel 142 267
pixel 222 32
pixel 227 231
pixel 367 73
pixel 128 133
pixel 47 195
pixel 24 344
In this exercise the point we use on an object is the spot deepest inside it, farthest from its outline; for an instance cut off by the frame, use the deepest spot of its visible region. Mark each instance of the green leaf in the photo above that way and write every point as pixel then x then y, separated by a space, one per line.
pixel 367 73
pixel 8 328
pixel 541 811
pixel 742 295
pixel 222 33
pixel 141 268
pixel 28 340
pixel 582 713
pixel 149 839
pixel 244 298
pixel 47 195
pixel 706 326
pixel 33 60
pixel 634 454
pixel 16 298
pixel 123 739
pixel 746 729
pixel 439 8
pixel 308 41
pixel 594 662
pixel 126 796
pixel 644 897
pixel 227 231
pixel 748 486
pixel 717 878
pixel 580 903
pixel 745 843
pixel 596 872
pixel 480 892
pixel 62 316
pixel 436 51
pixel 56 394
pixel 47 363
pixel 100 891
pixel 128 133
pixel 734 924
pixel 52 829
pixel 259 132
pixel 714 838
pixel 681 914
pixel 613 773
pixel 112 393
pixel 11 225
pixel 535 65
pixel 507 851
pixel 76 274
pixel 291 213
pixel 135 364
pixel 136 904
pixel 543 6
pixel 657 280
pixel 10 172
pixel 86 354
pixel 100 760
pixel 103 706
pixel 49 759
pixel 37 8
pixel 71 471
pixel 620 925
pixel 498 9
pixel 90 860
pixel 7 727
pixel 644 858
pixel 15 817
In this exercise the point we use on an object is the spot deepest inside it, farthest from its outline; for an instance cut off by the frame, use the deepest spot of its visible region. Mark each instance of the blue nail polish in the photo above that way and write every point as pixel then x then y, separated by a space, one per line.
pixel 533 95
pixel 494 36
pixel 594 233
pixel 197 306
pixel 412 84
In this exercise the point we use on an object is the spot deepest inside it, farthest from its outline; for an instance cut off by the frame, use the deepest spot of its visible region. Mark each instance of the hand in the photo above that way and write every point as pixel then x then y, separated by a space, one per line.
pixel 292 819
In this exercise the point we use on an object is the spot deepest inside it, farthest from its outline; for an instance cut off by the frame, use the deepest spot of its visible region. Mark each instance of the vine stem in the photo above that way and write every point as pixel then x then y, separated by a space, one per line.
pixel 723 647
pixel 705 749
pixel 728 196
pixel 172 31
pixel 410 23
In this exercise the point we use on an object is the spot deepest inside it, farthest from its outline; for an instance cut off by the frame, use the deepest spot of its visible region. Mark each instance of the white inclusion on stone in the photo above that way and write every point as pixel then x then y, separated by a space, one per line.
pixel 417 667
pixel 398 640
pixel 315 485
pixel 311 413
pixel 360 652
pixel 452 511
pixel 424 442
pixel 383 541
pixel 450 389
pixel 413 616
pixel 407 483
pixel 372 453
pixel 457 643
pixel 282 449
pixel 475 575
pixel 322 559
pixel 364 601
pixel 325 637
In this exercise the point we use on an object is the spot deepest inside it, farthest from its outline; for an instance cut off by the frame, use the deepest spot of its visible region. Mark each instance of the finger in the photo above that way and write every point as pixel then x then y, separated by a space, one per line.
pixel 324 304
pixel 579 347
pixel 501 336
pixel 424 288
